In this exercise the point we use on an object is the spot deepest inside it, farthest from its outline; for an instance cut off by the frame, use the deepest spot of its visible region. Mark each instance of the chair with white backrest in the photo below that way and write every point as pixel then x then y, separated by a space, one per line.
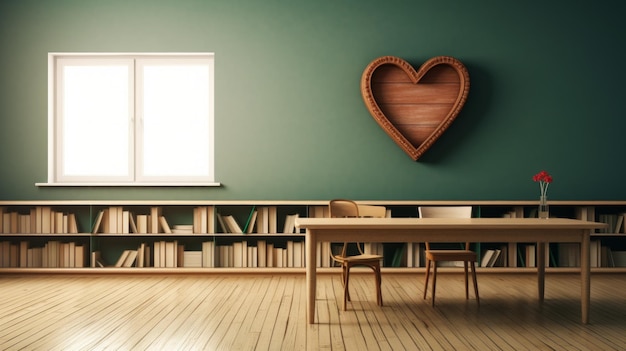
pixel 348 208
pixel 433 256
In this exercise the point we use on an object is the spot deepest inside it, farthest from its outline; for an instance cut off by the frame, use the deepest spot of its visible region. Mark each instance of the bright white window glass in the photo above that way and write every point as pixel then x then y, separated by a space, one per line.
pixel 175 121
pixel 131 118
pixel 94 116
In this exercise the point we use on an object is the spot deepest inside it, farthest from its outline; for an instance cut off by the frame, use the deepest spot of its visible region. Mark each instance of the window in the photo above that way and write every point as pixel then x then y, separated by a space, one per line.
pixel 131 119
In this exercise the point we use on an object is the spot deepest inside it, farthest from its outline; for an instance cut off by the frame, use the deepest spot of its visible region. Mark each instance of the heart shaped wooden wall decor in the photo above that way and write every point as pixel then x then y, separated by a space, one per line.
pixel 415 107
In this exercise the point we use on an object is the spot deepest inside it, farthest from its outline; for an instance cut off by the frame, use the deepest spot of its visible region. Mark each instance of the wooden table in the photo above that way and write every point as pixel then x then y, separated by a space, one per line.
pixel 541 231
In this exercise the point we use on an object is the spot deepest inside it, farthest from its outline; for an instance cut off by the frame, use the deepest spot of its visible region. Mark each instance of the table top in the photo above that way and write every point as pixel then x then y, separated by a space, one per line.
pixel 446 223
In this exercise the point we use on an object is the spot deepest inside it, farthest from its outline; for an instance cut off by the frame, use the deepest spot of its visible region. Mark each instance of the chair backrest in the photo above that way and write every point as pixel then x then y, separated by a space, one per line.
pixel 445 212
pixel 343 208
pixel 348 208
pixel 372 211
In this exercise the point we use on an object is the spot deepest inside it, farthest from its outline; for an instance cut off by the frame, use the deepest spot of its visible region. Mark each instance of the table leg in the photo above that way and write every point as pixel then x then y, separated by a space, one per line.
pixel 585 277
pixel 311 279
pixel 541 270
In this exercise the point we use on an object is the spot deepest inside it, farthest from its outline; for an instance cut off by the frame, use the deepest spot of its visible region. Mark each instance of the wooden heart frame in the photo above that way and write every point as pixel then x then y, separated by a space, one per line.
pixel 415 107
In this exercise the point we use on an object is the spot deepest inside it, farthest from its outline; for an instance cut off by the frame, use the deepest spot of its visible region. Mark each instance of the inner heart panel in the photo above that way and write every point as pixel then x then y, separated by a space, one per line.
pixel 416 110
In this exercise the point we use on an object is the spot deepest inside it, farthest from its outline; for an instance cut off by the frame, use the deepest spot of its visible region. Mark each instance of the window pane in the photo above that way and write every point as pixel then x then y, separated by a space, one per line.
pixel 95 121
pixel 176 120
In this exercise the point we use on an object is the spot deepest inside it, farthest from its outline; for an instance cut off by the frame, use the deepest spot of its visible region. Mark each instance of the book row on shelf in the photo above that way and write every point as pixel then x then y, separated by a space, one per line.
pixel 161 254
pixel 118 220
pixel 263 253
pixel 53 254
pixel 205 220
pixel 261 220
pixel 615 223
pixel 239 254
pixel 38 220
pixel 601 256
pixel 557 255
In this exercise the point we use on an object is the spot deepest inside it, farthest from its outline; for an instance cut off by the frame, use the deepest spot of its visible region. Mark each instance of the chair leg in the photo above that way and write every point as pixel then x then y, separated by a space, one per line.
pixel 426 278
pixel 475 282
pixel 346 277
pixel 434 281
pixel 466 280
pixel 379 295
pixel 346 291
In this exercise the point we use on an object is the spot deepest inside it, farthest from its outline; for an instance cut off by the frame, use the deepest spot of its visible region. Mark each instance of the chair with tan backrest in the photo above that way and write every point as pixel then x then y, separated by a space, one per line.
pixel 349 208
pixel 433 256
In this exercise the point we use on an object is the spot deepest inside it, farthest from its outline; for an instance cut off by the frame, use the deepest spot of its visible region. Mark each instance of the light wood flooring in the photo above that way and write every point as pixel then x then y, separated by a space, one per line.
pixel 267 312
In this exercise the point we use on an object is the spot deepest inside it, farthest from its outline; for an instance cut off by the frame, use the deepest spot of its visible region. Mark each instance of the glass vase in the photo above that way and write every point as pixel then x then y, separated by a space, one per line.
pixel 544 210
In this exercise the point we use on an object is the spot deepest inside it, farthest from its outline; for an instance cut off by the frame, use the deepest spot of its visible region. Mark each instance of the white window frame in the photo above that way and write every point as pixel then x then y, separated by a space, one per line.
pixel 136 176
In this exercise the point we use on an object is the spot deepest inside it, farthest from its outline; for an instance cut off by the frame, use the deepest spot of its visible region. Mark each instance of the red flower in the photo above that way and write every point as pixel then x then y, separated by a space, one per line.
pixel 544 180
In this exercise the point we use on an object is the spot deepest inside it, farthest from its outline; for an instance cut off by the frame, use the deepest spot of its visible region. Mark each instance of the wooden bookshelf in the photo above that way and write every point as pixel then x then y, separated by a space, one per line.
pixel 188 236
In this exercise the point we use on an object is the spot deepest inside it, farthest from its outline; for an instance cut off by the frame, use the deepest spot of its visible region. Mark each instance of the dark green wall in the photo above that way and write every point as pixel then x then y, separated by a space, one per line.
pixel 547 92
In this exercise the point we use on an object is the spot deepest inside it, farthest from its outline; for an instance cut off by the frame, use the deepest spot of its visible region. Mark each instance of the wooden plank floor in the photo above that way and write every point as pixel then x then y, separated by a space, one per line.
pixel 267 312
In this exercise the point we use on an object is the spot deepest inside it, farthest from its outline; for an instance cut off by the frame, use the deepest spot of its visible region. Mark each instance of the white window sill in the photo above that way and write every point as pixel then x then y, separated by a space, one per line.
pixel 155 184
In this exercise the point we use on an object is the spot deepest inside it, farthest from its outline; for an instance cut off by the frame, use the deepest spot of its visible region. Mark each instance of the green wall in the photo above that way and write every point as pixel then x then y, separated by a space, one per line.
pixel 547 87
